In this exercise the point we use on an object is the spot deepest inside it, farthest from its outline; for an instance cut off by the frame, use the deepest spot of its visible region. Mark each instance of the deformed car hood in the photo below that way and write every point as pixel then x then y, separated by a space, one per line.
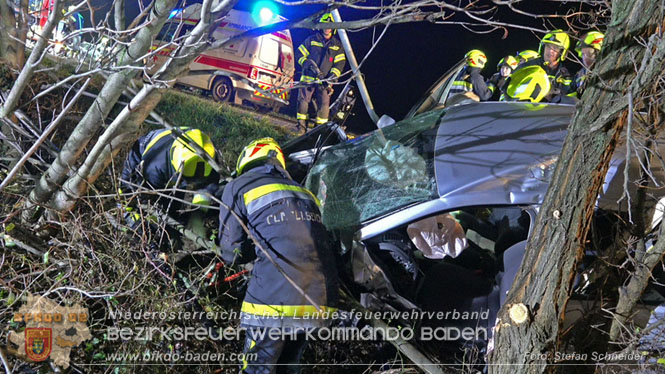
pixel 498 153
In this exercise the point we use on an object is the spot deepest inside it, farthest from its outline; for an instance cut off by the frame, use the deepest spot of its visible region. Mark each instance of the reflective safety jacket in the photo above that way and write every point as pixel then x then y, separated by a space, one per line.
pixel 560 77
pixel 285 219
pixel 469 80
pixel 579 83
pixel 328 55
pixel 149 165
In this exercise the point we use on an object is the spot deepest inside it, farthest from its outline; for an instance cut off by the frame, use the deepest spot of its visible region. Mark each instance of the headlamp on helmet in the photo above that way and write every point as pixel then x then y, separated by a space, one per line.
pixel 557 38
pixel 259 151
pixel 475 58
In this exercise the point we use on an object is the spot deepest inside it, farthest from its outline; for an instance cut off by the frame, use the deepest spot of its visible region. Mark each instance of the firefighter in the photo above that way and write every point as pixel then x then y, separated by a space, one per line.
pixel 497 82
pixel 587 49
pixel 532 83
pixel 163 159
pixel 284 219
pixel 322 59
pixel 552 50
pixel 529 83
pixel 469 80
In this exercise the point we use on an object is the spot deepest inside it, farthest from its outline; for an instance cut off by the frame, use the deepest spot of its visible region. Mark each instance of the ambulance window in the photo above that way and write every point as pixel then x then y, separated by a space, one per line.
pixel 269 51
pixel 287 57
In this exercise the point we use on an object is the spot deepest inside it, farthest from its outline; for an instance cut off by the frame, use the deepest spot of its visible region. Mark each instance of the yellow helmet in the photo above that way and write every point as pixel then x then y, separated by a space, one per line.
pixel 327 17
pixel 259 150
pixel 529 83
pixel 557 38
pixel 508 60
pixel 184 158
pixel 526 55
pixel 475 58
pixel 592 39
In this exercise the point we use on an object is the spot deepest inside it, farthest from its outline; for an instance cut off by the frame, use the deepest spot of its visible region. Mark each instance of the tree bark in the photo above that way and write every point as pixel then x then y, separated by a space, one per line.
pixel 625 68
pixel 35 57
pixel 8 50
pixel 119 15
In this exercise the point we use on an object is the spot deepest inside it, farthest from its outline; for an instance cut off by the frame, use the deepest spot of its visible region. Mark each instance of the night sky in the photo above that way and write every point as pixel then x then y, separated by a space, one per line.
pixel 412 56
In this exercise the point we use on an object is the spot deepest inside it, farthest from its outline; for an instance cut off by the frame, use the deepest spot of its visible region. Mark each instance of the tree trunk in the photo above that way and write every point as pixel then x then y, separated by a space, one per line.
pixel 541 289
pixel 140 107
pixel 93 119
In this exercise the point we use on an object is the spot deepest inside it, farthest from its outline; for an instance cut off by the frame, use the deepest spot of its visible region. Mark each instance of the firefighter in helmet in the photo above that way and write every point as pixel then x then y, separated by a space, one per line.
pixel 322 59
pixel 469 80
pixel 504 68
pixel 587 49
pixel 284 222
pixel 163 159
pixel 529 83
pixel 553 50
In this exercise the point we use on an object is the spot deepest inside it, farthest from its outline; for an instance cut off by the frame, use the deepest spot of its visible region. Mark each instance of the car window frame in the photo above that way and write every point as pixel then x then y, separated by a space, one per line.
pixel 432 97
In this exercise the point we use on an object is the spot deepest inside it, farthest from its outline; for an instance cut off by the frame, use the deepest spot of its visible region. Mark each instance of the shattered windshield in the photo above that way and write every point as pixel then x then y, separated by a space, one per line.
pixel 374 175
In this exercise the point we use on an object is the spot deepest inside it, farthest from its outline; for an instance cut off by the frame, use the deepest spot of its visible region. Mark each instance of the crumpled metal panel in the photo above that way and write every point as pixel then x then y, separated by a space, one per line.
pixel 498 153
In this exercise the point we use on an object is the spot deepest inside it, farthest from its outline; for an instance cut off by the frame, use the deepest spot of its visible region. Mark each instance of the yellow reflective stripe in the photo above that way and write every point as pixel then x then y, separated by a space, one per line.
pixel 307 78
pixel 463 84
pixel 200 199
pixel 318 44
pixel 566 82
pixel 320 121
pixel 339 57
pixel 259 197
pixel 491 87
pixel 336 72
pixel 303 50
pixel 334 47
pixel 284 310
pixel 302 60
pixel 301 116
pixel 572 94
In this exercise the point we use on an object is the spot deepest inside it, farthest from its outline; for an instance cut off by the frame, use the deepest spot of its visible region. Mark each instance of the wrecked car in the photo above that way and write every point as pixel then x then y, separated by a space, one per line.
pixel 433 213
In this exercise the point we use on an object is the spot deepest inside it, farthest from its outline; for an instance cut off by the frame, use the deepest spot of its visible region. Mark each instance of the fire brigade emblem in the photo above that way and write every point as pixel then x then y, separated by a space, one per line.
pixel 37 343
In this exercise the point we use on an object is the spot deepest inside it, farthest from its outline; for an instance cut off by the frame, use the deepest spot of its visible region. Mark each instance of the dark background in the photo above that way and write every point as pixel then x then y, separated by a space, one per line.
pixel 412 56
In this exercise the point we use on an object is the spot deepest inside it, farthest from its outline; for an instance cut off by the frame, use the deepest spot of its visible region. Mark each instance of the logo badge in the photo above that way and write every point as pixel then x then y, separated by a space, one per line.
pixel 37 343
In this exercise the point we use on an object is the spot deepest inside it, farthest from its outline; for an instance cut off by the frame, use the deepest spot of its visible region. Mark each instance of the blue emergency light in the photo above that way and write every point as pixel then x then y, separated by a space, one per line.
pixel 174 13
pixel 264 12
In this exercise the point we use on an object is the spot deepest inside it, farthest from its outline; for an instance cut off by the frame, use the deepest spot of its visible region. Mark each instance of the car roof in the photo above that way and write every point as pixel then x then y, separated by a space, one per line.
pixel 489 153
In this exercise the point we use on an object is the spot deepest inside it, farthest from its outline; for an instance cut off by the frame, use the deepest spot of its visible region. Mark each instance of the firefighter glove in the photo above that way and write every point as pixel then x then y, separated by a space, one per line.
pixel 310 67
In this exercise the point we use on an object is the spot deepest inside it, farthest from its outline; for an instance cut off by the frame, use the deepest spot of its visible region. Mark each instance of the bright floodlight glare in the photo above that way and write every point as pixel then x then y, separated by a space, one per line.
pixel 264 12
pixel 266 15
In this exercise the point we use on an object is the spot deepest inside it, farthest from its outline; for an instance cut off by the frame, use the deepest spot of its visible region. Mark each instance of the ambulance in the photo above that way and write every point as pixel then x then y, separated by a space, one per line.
pixel 266 61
